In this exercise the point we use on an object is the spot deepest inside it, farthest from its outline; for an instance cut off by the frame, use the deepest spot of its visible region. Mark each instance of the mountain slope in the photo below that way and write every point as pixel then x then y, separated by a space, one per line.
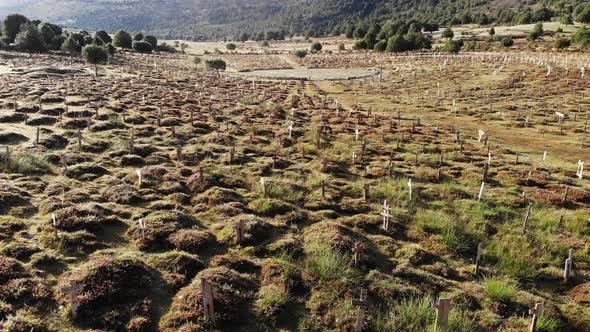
pixel 201 19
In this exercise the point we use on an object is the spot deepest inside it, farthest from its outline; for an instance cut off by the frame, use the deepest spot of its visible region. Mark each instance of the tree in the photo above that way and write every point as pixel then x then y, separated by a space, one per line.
pixel 349 31
pixel 122 39
pixel 30 39
pixel 567 19
pixel 244 37
pixel 71 45
pixel 397 44
pixel 47 32
pixel 316 47
pixel 582 37
pixel 11 26
pixel 216 64
pixel 492 31
pixel 453 46
pixel 230 46
pixel 359 32
pixel 142 47
pixel 537 32
pixel 448 33
pixel 380 46
pixel 95 55
pixel 138 36
pixel 152 40
pixel 110 49
pixel 104 36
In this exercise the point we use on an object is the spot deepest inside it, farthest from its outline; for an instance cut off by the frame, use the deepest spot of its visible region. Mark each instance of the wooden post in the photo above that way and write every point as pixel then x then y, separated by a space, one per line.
pixel 37 137
pixel 178 153
pixel 362 304
pixel 141 223
pixel 564 198
pixel 139 177
pixel 79 140
pixel 357 249
pixel 526 218
pixel 478 258
pixel 536 312
pixel 207 293
pixel 443 306
pixel 366 196
pixel 240 229
pixel 486 167
pixel 481 191
pixel 323 184
pixel 324 165
pixel 568 266
pixel 73 291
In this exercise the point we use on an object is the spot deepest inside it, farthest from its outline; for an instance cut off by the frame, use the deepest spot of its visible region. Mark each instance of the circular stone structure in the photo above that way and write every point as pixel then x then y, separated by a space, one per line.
pixel 313 74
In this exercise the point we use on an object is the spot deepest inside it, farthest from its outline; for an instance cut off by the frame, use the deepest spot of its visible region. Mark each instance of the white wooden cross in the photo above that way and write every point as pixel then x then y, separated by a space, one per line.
pixel 386 215
pixel 356 134
pixel 544 156
pixel 481 133
pixel 580 169
pixel 263 185
pixel 138 172
pixel 290 129
pixel 353 157
pixel 560 116
pixel 410 188
pixel 141 223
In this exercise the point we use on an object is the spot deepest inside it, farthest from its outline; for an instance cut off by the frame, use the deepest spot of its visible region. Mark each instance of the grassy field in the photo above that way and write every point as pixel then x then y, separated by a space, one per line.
pixel 123 196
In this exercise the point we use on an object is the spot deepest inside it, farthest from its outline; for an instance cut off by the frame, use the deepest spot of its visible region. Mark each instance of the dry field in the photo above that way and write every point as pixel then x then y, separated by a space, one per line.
pixel 162 197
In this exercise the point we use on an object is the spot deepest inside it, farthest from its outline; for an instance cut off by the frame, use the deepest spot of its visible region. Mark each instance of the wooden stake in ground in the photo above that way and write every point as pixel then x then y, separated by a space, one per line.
pixel 478 258
pixel 366 196
pixel 358 249
pixel 73 291
pixel 263 186
pixel 139 177
pixel 580 171
pixel 240 229
pixel 526 217
pixel 536 312
pixel 410 188
pixel 443 306
pixel 362 304
pixel 568 266
pixel 207 293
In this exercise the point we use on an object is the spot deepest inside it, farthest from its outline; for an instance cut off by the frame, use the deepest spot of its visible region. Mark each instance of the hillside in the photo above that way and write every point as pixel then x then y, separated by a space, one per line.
pixel 206 19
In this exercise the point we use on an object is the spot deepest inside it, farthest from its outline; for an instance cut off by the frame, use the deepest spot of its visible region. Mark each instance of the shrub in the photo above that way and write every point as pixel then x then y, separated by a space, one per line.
pixel 152 40
pixel 507 42
pixel 316 47
pixel 110 48
pixel 546 323
pixel 341 47
pixel 104 36
pixel 584 15
pixel 536 33
pixel 138 36
pixel 27 163
pixel 264 44
pixel 230 46
pixel 448 33
pixel 413 314
pixel 326 264
pixel 397 44
pixel 71 45
pixel 47 32
pixel 142 47
pixel 122 39
pixel 500 290
pixel 562 43
pixel 197 60
pixel 300 53
pixel 271 296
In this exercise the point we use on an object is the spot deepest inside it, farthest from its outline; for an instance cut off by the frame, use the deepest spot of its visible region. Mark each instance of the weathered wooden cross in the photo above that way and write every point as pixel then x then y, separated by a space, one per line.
pixel 386 214
pixel 358 249
pixel 536 312
pixel 240 229
pixel 568 266
pixel 73 290
pixel 363 304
